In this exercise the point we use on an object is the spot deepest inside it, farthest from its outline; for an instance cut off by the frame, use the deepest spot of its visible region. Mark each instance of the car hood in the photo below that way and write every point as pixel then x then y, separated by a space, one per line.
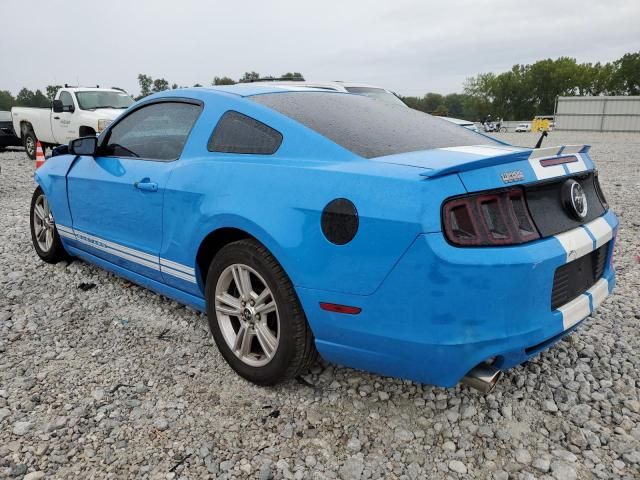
pixel 108 113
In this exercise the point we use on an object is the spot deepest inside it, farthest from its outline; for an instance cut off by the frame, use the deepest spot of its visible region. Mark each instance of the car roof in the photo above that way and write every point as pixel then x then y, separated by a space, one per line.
pixel 337 86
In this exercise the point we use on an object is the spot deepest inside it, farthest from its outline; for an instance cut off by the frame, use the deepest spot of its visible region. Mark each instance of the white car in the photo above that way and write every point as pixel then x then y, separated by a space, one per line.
pixel 463 123
pixel 378 93
pixel 76 112
pixel 523 127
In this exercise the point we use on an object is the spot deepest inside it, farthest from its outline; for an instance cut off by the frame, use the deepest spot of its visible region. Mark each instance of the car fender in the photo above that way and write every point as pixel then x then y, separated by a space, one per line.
pixel 52 178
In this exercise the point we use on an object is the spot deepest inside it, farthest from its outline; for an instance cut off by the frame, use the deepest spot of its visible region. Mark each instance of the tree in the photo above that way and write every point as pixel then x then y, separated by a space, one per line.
pixel 52 91
pixel 292 76
pixel 625 78
pixel 145 82
pixel 6 100
pixel 250 76
pixel 222 81
pixel 160 85
pixel 197 85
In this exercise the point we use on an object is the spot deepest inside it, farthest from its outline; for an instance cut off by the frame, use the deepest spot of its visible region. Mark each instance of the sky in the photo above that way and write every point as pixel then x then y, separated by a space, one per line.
pixel 408 46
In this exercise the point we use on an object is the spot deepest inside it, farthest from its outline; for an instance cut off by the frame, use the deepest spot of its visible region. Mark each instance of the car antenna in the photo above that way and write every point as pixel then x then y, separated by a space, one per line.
pixel 544 134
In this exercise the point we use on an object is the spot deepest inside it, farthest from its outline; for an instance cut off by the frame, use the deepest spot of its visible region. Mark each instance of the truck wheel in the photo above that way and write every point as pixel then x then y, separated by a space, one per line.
pixel 29 142
pixel 255 316
pixel 44 234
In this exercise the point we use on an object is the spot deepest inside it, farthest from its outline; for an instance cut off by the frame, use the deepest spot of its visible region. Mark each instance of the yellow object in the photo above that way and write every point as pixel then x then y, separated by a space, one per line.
pixel 542 123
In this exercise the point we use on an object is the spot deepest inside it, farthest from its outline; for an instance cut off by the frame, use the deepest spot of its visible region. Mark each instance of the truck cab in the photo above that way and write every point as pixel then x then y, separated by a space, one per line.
pixel 75 112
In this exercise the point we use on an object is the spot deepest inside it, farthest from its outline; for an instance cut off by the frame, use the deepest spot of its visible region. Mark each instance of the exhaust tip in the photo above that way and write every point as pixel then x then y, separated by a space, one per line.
pixel 483 378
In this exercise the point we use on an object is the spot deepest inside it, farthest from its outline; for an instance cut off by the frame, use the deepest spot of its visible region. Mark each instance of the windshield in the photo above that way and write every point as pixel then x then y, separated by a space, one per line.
pixel 98 99
pixel 367 127
pixel 377 93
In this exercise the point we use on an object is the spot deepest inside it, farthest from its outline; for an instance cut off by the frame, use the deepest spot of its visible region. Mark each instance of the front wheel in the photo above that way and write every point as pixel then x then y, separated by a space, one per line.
pixel 44 235
pixel 30 140
pixel 255 316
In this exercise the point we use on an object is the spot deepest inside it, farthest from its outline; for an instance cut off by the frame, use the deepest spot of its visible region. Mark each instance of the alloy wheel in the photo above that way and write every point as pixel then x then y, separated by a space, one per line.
pixel 247 315
pixel 43 224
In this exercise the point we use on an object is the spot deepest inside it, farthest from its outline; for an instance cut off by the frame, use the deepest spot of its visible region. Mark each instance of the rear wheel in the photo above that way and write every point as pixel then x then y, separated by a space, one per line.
pixel 44 235
pixel 30 140
pixel 255 316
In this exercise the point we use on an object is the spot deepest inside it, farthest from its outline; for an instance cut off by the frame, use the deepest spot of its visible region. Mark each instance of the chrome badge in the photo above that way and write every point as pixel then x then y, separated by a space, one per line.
pixel 574 199
pixel 512 176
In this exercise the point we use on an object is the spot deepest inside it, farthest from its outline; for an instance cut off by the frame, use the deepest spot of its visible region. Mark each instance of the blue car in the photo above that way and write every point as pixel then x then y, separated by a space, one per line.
pixel 305 221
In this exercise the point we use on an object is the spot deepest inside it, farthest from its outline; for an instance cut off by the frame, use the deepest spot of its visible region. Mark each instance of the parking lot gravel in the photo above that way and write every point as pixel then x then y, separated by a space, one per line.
pixel 100 378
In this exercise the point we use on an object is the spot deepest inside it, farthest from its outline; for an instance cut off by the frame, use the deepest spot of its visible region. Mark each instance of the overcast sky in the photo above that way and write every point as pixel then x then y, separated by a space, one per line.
pixel 409 46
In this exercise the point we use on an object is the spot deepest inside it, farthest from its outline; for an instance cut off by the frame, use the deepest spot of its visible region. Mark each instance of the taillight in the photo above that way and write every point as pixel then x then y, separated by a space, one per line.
pixel 599 192
pixel 496 218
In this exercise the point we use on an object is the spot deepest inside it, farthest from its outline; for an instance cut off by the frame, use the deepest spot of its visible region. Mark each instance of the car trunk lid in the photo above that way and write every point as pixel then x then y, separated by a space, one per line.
pixel 484 167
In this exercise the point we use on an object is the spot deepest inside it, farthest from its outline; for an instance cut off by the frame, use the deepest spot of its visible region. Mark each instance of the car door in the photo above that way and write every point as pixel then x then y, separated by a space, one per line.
pixel 62 124
pixel 116 197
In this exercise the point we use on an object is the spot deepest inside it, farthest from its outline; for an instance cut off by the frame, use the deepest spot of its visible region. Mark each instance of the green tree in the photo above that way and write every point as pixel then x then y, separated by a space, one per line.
pixel 6 100
pixel 52 91
pixel 145 82
pixel 160 85
pixel 292 76
pixel 223 81
pixel 625 79
pixel 250 76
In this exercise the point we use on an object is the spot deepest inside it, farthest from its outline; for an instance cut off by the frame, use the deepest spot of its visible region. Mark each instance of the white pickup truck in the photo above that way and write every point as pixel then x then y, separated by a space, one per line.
pixel 76 112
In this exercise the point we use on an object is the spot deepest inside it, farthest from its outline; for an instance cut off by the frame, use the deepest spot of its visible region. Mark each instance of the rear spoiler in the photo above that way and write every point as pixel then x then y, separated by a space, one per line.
pixel 491 159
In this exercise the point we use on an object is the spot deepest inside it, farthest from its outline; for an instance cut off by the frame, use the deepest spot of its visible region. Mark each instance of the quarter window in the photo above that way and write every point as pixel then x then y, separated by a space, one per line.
pixel 238 133
pixel 155 132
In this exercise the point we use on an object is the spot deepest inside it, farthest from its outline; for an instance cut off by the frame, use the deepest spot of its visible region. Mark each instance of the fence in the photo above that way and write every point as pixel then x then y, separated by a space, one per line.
pixel 599 114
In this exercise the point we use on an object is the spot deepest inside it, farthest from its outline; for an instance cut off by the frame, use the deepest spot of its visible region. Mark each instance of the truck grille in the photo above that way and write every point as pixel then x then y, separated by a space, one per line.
pixel 574 278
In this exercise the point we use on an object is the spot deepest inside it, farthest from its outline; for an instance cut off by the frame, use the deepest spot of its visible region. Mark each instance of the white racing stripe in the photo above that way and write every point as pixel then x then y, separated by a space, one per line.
pixel 599 292
pixel 580 308
pixel 576 243
pixel 484 150
pixel 130 254
pixel 585 239
pixel 575 311
pixel 178 274
pixel 601 231
pixel 177 266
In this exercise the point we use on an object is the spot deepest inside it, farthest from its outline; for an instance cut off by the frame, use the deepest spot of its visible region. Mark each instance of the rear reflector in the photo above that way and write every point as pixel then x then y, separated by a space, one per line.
pixel 333 307
pixel 550 162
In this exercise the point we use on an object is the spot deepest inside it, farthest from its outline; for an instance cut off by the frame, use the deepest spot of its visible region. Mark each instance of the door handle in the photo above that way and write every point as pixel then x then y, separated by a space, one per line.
pixel 146 186
pixel 56 118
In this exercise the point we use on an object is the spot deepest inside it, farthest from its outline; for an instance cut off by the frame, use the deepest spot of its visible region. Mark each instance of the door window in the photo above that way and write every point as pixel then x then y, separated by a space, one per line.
pixel 67 102
pixel 155 132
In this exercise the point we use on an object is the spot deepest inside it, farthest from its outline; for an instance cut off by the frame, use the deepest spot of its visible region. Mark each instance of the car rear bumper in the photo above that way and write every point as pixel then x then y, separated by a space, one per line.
pixel 442 309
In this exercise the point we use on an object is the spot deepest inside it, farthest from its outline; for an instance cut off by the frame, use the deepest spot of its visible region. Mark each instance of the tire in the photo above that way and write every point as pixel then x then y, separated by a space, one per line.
pixel 294 350
pixel 29 141
pixel 503 130
pixel 50 249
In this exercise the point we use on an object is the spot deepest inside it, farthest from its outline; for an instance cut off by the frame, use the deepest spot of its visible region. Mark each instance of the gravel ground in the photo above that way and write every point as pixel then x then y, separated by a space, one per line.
pixel 117 382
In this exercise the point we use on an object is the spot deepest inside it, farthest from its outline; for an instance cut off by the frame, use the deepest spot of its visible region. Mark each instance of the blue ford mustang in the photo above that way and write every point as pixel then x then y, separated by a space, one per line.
pixel 306 221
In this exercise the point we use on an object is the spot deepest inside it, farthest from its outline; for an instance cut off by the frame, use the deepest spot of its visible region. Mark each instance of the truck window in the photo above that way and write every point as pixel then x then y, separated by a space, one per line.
pixel 67 101
pixel 153 132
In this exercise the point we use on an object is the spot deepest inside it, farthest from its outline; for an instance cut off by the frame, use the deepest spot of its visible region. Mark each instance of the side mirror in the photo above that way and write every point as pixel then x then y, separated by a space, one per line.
pixel 57 106
pixel 83 146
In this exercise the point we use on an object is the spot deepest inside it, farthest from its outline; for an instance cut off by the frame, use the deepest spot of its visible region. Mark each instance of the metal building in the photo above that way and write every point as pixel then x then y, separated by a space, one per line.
pixel 600 114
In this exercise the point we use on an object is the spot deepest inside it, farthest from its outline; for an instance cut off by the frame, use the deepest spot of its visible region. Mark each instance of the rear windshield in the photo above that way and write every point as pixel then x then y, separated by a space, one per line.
pixel 367 127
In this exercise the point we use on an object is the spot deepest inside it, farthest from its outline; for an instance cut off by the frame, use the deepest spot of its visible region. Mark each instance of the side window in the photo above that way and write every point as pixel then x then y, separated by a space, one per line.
pixel 237 133
pixel 155 132
pixel 67 102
